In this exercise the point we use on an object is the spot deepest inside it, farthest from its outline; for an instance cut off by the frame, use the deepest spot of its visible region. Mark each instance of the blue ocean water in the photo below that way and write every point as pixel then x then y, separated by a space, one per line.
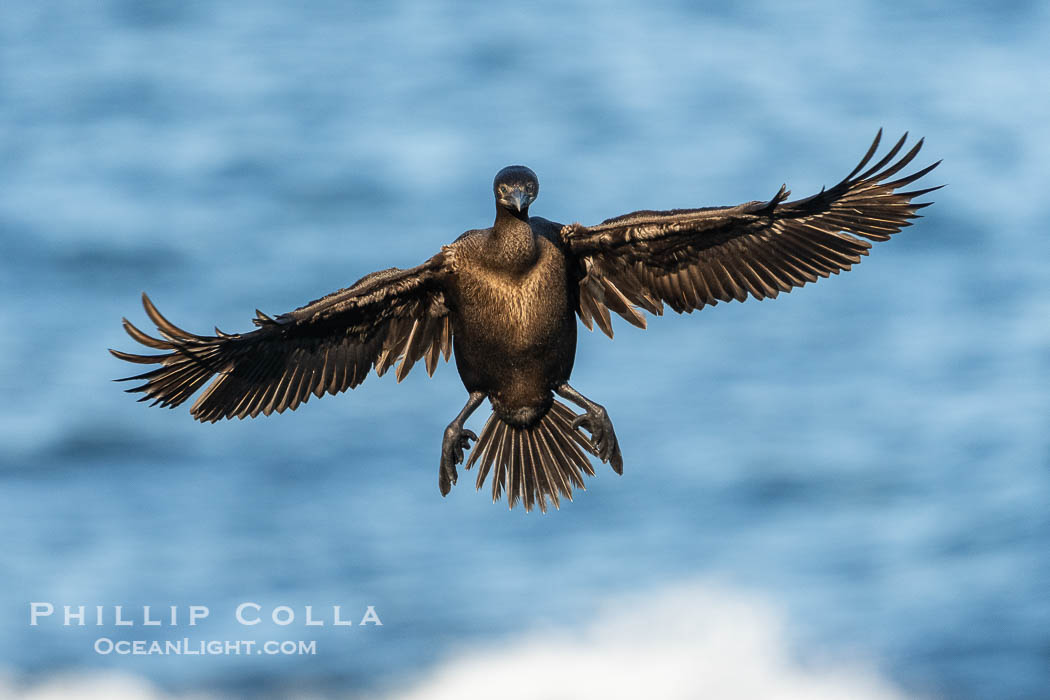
pixel 843 490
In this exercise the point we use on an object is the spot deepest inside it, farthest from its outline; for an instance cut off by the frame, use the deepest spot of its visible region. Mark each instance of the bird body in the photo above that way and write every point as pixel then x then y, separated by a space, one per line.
pixel 514 327
pixel 506 298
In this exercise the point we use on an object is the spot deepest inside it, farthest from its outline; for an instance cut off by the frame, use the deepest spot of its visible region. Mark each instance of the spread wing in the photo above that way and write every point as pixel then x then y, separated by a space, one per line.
pixel 329 345
pixel 690 258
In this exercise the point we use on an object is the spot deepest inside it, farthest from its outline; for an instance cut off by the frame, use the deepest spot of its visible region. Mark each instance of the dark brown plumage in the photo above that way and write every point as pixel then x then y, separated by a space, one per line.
pixel 505 299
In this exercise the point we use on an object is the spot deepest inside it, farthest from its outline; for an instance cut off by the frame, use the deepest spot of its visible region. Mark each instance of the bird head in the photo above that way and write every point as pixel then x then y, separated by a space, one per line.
pixel 516 188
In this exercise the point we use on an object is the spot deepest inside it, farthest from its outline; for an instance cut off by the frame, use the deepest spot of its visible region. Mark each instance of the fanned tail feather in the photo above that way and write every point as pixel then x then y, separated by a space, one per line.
pixel 543 462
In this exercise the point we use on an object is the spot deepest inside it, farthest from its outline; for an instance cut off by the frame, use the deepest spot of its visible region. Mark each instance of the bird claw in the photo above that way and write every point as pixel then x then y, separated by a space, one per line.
pixel 603 437
pixel 453 448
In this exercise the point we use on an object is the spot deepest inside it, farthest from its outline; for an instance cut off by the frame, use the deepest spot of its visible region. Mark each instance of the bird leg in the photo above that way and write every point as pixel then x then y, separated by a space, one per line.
pixel 457 439
pixel 596 422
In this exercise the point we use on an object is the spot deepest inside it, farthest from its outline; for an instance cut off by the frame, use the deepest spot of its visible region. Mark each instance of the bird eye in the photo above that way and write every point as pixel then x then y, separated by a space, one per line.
pixel 503 189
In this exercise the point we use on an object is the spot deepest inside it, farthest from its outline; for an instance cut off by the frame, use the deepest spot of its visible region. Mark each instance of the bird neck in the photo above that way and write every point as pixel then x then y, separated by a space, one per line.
pixel 513 243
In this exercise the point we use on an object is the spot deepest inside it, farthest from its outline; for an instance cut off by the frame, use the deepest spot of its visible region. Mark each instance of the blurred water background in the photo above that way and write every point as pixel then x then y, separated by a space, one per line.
pixel 842 491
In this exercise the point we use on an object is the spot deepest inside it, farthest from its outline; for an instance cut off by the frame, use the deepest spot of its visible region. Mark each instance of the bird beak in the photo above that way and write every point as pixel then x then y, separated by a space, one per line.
pixel 518 199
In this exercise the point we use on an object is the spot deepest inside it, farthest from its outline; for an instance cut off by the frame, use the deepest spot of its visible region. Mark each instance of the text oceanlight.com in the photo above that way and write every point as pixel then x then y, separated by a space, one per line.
pixel 214 647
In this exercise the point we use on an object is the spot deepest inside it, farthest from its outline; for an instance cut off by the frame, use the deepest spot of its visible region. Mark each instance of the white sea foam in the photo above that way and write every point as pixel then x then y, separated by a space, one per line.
pixel 689 641
pixel 84 685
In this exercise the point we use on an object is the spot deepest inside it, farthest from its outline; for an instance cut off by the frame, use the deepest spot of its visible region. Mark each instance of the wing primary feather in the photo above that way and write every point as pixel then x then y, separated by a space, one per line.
pixel 912 178
pixel 882 163
pixel 137 359
pixel 164 325
pixel 867 156
pixel 144 339
pixel 919 193
pixel 900 164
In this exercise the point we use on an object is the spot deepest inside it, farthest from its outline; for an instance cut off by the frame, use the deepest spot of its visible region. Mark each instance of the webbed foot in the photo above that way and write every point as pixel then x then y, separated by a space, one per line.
pixel 596 422
pixel 453 446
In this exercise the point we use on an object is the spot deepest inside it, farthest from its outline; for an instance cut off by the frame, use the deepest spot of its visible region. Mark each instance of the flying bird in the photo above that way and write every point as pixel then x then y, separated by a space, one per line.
pixel 504 300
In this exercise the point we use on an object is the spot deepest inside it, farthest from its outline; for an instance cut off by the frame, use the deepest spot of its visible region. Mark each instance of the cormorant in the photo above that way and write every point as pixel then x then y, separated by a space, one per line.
pixel 505 298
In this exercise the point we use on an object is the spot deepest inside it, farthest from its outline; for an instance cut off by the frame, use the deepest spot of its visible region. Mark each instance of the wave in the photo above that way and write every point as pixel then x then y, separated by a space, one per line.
pixel 690 641
pixel 85 685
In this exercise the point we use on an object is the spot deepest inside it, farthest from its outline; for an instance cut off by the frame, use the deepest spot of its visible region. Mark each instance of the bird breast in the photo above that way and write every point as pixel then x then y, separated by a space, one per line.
pixel 516 313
